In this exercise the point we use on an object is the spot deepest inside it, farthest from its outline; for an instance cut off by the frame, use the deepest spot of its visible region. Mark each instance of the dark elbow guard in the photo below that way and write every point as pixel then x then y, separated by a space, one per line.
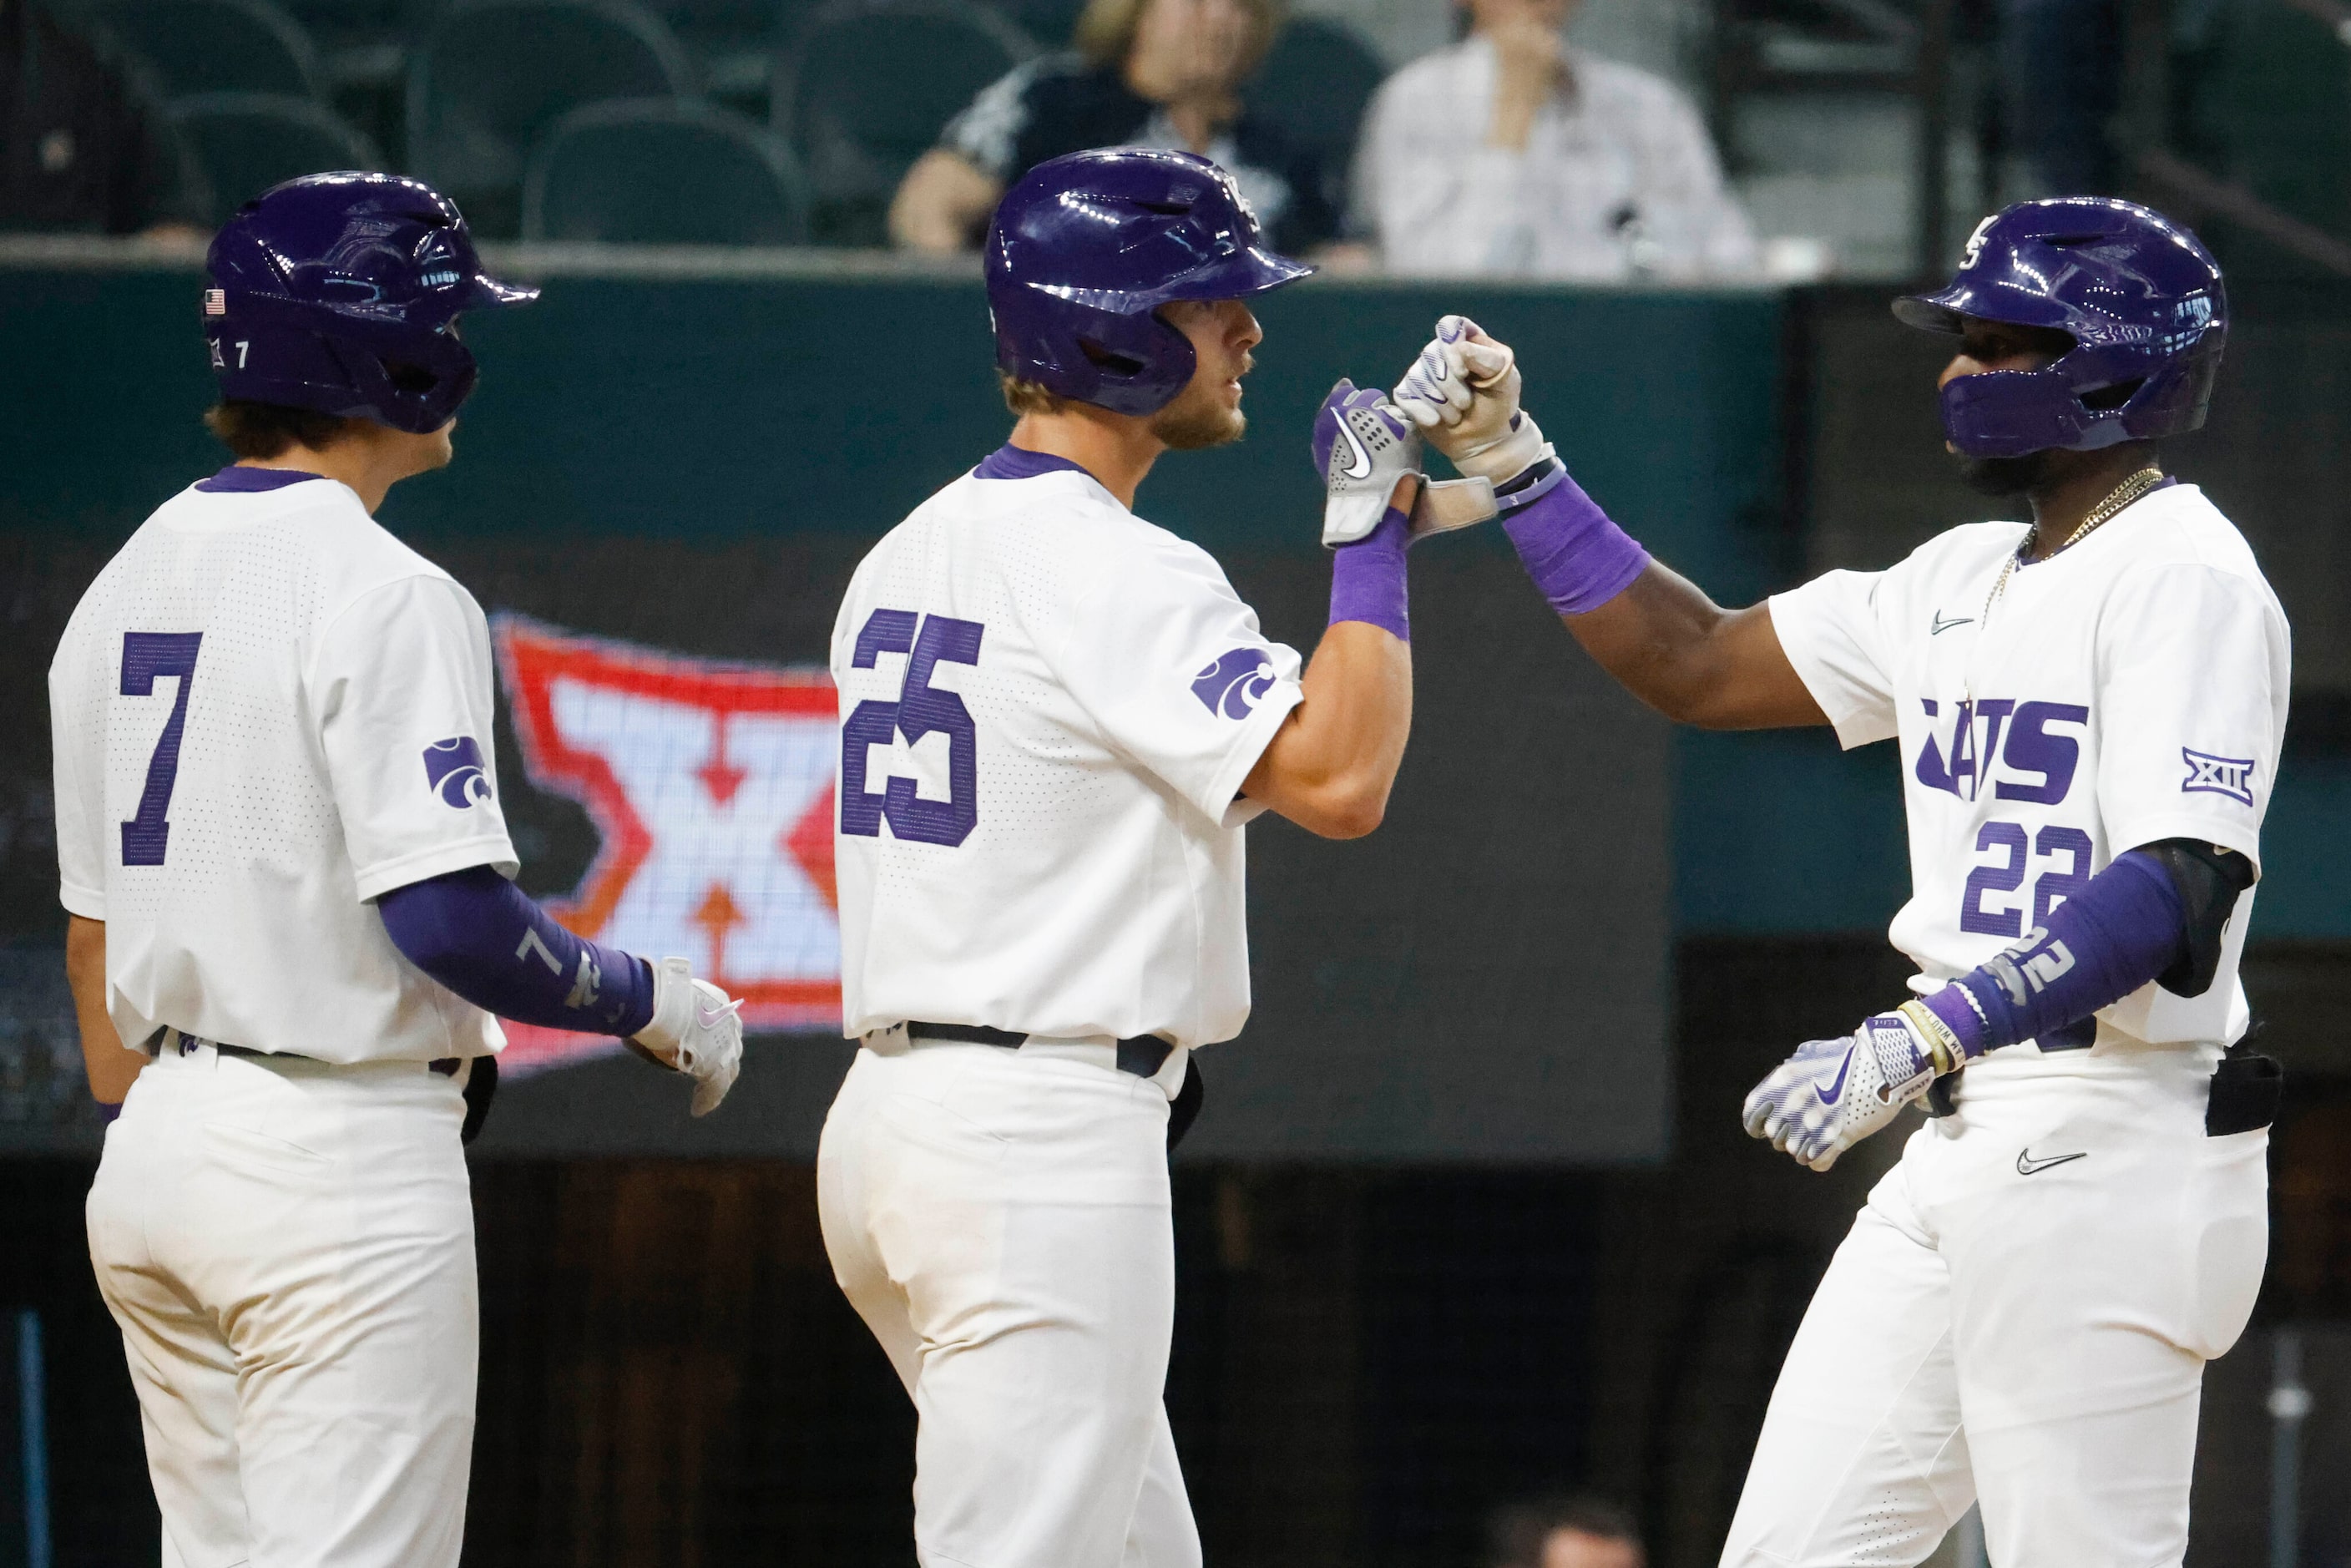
pixel 2208 879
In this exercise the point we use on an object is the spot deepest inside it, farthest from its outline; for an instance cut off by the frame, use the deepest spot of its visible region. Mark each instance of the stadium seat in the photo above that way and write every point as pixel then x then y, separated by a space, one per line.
pixel 494 74
pixel 1315 83
pixel 662 172
pixel 363 44
pixel 248 142
pixel 213 45
pixel 858 117
pixel 733 42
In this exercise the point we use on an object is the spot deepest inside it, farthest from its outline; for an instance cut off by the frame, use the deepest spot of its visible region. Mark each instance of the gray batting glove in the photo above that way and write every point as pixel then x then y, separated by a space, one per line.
pixel 694 1031
pixel 1463 392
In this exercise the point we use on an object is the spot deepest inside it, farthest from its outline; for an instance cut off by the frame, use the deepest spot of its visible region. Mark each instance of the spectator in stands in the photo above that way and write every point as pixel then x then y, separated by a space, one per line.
pixel 1512 155
pixel 1143 73
pixel 1581 1532
pixel 81 149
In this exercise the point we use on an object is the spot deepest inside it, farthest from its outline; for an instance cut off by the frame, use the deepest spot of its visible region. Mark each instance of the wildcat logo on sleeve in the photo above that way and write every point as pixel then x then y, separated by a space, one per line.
pixel 454 770
pixel 2211 775
pixel 1232 686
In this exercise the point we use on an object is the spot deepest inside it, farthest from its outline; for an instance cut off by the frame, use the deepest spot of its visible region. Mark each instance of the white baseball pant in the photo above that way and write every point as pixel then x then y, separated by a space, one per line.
pixel 288 1250
pixel 1000 1220
pixel 2008 1323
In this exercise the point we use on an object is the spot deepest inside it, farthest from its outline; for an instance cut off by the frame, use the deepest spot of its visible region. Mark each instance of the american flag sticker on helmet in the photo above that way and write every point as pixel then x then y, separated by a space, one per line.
pixel 215 301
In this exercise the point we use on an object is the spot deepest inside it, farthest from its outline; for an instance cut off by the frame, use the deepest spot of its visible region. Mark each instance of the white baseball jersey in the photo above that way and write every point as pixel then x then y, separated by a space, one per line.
pixel 265 711
pixel 1048 707
pixel 2129 689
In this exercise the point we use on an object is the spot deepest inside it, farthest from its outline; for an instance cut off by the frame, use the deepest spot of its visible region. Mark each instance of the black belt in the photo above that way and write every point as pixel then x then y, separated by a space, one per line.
pixel 446 1066
pixel 480 1084
pixel 1142 1055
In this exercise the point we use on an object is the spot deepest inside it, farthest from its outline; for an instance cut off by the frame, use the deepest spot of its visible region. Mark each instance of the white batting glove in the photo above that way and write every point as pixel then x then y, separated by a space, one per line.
pixel 695 1031
pixel 1834 1092
pixel 1364 449
pixel 1463 392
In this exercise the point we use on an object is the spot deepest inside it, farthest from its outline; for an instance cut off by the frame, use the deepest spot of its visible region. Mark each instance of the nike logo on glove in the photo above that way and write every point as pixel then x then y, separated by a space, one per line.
pixel 1361 469
pixel 2026 1164
pixel 710 1015
pixel 1836 1086
pixel 1941 625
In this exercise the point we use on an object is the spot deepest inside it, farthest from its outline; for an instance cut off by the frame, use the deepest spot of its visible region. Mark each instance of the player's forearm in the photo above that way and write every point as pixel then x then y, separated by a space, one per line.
pixel 2144 918
pixel 1693 661
pixel 484 938
pixel 110 1068
pixel 1331 765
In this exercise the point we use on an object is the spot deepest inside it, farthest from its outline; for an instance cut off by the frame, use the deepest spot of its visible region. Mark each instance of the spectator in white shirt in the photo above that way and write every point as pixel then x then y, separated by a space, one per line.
pixel 1512 155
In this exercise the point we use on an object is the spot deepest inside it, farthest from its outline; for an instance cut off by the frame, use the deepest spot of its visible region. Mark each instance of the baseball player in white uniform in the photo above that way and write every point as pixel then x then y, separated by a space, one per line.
pixel 1055 719
pixel 2089 710
pixel 280 847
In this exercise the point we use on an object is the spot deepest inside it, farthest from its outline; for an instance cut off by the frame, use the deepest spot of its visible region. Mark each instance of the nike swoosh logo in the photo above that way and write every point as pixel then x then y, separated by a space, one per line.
pixel 710 1015
pixel 2026 1164
pixel 1941 625
pixel 1361 469
pixel 1837 1085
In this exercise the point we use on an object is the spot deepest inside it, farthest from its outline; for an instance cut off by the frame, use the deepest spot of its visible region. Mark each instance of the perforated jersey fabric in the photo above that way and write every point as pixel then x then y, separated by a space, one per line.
pixel 1072 862
pixel 334 699
pixel 2125 691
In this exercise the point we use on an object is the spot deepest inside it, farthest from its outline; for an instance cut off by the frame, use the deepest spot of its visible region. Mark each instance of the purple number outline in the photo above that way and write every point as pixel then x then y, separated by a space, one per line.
pixel 920 709
pixel 146 656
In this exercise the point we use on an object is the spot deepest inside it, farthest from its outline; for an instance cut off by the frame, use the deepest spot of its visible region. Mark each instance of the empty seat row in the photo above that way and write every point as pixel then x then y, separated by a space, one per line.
pixel 499 97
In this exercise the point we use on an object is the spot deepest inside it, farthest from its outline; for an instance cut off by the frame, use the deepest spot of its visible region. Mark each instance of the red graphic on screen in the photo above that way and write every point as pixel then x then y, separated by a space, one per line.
pixel 710 786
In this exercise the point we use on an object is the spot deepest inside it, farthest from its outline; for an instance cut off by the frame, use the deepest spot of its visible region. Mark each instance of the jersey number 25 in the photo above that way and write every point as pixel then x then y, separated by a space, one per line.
pixel 920 709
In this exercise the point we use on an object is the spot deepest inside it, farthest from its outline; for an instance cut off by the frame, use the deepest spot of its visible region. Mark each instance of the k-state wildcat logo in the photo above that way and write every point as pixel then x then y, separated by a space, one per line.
pixel 1232 684
pixel 454 770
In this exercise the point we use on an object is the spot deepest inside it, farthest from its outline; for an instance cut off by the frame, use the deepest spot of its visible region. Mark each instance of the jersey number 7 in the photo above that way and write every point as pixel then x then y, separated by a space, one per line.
pixel 146 655
pixel 920 709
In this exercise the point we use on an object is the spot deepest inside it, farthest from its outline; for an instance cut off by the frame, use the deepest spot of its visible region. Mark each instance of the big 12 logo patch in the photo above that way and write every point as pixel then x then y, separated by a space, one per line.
pixel 710 786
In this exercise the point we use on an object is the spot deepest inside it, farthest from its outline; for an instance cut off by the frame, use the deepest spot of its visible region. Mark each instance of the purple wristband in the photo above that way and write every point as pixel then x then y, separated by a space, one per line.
pixel 1367 578
pixel 1578 558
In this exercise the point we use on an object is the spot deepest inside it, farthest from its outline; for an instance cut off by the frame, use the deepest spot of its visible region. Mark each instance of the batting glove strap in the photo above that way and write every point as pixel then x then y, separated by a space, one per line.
pixel 1944 1048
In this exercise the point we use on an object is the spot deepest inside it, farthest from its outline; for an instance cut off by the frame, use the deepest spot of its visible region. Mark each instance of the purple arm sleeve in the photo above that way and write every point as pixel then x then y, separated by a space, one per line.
pixel 1578 558
pixel 1367 582
pixel 484 938
pixel 2125 927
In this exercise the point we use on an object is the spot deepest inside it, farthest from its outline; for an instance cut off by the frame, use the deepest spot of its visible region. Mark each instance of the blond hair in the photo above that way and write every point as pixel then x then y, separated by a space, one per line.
pixel 1026 397
pixel 1106 28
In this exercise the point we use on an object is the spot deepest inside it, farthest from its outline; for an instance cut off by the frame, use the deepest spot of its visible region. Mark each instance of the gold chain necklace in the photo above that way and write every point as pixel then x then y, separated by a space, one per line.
pixel 2120 496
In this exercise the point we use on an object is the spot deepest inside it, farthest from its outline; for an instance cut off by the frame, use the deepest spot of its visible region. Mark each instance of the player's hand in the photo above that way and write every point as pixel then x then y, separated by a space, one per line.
pixel 1834 1092
pixel 1363 449
pixel 1463 392
pixel 694 1030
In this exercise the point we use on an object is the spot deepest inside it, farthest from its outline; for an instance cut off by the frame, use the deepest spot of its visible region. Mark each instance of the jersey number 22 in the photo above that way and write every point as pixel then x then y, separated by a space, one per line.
pixel 920 709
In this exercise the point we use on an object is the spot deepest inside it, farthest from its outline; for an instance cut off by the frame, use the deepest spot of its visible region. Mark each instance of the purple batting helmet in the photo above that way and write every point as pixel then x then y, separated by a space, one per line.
pixel 1086 249
pixel 337 292
pixel 2139 294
